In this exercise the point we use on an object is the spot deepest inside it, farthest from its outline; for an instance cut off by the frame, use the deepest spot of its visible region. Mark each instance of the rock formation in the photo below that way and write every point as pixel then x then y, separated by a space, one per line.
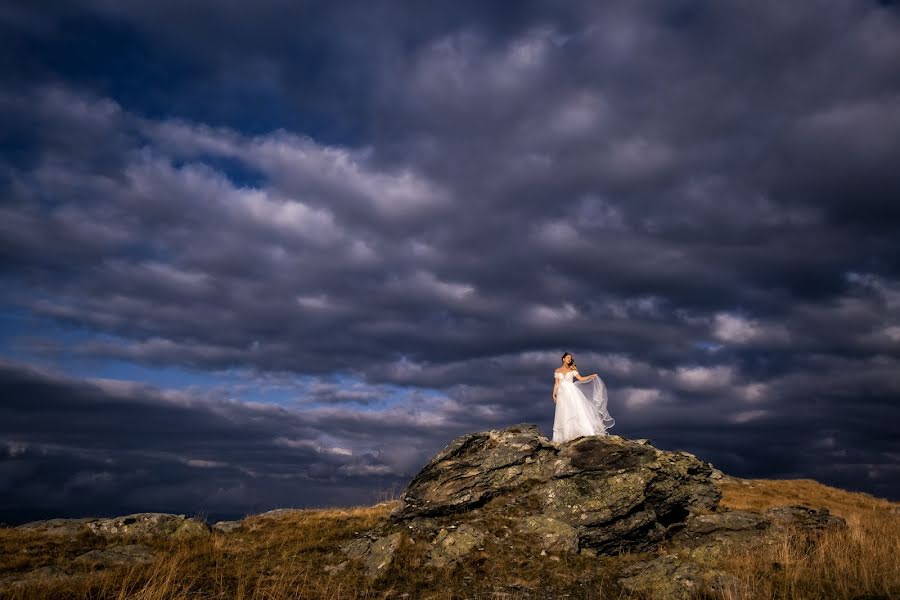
pixel 119 531
pixel 595 495
pixel 137 524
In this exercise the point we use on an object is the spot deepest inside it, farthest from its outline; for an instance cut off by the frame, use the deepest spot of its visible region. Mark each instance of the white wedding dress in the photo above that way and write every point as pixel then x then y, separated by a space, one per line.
pixel 580 408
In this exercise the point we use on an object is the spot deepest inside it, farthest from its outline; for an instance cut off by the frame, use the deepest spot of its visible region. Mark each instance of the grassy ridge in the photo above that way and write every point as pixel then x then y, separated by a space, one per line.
pixel 861 562
pixel 285 556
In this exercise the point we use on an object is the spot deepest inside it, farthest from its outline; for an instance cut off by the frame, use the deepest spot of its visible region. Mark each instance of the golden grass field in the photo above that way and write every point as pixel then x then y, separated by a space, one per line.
pixel 284 557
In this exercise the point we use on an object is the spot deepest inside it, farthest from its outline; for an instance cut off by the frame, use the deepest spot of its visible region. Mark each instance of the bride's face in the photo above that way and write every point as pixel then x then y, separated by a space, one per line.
pixel 568 360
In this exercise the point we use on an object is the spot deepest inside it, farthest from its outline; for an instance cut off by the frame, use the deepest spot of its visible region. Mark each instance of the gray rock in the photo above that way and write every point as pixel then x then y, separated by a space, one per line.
pixel 670 578
pixel 147 524
pixel 117 555
pixel 227 526
pixel 61 527
pixel 380 554
pixel 705 535
pixel 357 548
pixel 192 528
pixel 137 524
pixel 451 546
pixel 803 517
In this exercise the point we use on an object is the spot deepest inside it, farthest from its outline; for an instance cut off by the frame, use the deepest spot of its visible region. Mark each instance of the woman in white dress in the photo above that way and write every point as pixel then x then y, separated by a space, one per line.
pixel 580 405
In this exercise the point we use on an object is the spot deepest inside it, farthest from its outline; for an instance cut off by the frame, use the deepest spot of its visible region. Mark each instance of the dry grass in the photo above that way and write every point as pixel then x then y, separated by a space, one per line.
pixel 858 563
pixel 284 557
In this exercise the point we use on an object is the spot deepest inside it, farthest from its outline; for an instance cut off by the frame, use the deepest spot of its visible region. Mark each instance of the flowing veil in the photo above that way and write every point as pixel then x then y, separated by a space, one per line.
pixel 595 391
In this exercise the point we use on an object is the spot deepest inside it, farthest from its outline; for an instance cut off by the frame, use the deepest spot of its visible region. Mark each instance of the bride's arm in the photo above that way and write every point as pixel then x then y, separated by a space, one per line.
pixel 555 385
pixel 580 378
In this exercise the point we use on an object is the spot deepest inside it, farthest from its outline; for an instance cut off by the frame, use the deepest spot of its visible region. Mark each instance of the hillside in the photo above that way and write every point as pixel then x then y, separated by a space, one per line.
pixel 662 525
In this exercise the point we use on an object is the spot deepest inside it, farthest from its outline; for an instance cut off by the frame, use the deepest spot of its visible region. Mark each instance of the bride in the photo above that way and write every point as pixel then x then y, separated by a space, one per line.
pixel 580 405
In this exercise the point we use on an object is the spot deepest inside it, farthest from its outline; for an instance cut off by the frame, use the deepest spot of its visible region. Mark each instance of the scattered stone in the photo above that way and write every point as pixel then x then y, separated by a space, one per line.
pixel 443 533
pixel 61 527
pixel 706 535
pixel 357 548
pixel 669 578
pixel 192 528
pixel 331 569
pixel 452 546
pixel 803 517
pixel 381 554
pixel 227 526
pixel 137 524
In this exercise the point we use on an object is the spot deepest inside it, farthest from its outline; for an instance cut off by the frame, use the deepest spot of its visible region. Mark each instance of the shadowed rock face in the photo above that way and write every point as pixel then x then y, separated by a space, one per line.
pixel 611 492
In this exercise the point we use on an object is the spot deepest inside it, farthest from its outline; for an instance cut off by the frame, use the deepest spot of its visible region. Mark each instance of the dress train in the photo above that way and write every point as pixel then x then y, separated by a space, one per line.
pixel 581 408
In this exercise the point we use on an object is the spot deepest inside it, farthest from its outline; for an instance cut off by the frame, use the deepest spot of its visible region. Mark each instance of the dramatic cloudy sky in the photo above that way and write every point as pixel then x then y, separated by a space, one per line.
pixel 278 253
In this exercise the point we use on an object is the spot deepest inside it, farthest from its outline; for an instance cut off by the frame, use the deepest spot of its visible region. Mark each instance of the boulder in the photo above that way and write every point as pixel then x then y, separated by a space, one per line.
pixel 227 526
pixel 451 546
pixel 377 554
pixel 58 527
pixel 137 524
pixel 669 578
pixel 674 577
pixel 803 518
pixel 600 494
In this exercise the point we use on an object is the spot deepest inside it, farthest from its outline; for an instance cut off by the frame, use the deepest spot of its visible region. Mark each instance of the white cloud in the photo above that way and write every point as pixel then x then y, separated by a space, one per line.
pixel 204 464
pixel 753 392
pixel 315 446
pixel 639 397
pixel 543 315
pixel 748 416
pixel 736 329
pixel 704 378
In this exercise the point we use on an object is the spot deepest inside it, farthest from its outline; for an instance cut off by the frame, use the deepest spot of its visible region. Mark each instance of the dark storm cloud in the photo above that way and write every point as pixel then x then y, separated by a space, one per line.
pixel 697 199
pixel 101 446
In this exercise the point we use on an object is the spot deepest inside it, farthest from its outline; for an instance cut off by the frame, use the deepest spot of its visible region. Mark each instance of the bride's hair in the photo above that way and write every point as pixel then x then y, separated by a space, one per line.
pixel 565 354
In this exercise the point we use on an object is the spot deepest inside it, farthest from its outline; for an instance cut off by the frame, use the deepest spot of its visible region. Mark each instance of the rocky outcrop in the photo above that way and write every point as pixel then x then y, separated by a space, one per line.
pixel 137 524
pixel 606 492
pixel 594 495
pixel 119 532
